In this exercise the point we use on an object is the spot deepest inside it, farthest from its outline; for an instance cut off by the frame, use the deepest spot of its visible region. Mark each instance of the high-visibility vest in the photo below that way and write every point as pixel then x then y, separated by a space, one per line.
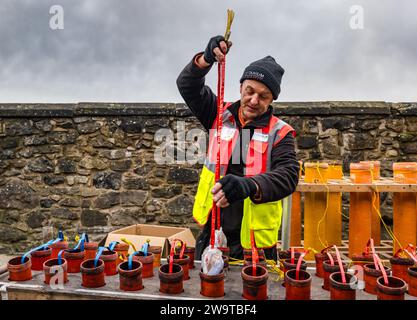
pixel 262 219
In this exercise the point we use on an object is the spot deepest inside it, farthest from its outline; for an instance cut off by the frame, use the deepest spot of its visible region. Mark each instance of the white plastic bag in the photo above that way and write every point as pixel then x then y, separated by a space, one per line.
pixel 220 239
pixel 212 261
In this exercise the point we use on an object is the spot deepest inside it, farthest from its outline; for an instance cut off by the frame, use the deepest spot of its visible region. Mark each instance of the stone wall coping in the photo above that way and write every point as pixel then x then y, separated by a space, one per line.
pixel 319 108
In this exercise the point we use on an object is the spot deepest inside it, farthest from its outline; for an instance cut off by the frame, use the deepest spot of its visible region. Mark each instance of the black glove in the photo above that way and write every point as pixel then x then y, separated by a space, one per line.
pixel 237 188
pixel 214 42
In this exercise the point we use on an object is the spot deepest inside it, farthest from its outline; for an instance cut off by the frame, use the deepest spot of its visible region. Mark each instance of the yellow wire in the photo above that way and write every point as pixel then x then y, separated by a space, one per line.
pixel 271 265
pixel 312 249
pixel 325 211
pixel 234 261
pixel 340 193
pixel 390 232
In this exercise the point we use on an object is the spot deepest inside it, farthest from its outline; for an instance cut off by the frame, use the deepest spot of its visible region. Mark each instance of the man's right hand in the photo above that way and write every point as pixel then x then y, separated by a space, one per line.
pixel 216 49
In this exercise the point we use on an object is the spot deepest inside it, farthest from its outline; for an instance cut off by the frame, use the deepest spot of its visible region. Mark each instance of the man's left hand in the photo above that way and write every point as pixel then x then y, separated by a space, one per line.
pixel 232 188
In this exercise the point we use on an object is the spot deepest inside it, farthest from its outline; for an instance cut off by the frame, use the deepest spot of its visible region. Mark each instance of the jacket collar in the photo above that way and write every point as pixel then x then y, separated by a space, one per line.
pixel 259 122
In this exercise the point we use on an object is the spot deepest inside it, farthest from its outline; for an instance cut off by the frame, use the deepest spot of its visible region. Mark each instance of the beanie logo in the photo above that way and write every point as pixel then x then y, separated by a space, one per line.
pixel 254 75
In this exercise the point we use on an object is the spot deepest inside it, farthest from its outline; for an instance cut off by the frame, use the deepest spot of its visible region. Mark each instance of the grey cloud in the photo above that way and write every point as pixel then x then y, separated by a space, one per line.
pixel 132 51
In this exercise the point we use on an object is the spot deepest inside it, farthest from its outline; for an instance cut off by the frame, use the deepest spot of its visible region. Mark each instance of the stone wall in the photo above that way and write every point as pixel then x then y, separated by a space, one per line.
pixel 90 167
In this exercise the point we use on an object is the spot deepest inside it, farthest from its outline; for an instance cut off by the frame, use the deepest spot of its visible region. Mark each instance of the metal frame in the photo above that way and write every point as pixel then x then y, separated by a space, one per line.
pixel 286 223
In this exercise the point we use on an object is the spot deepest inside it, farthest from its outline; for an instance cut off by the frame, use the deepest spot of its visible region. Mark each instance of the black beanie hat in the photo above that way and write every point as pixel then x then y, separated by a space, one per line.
pixel 267 71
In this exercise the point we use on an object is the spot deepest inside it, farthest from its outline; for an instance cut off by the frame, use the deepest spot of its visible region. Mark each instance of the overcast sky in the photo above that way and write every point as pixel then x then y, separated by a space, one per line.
pixel 133 50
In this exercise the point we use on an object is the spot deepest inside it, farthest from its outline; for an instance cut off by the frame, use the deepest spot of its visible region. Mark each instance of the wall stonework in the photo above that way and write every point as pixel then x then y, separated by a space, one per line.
pixel 89 167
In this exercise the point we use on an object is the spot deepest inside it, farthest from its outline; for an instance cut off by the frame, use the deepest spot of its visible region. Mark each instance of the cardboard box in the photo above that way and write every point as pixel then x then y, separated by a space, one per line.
pixel 158 236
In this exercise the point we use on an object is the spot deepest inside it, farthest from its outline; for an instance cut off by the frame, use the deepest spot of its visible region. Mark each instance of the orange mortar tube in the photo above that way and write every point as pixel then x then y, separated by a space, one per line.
pixel 360 210
pixel 295 233
pixel 404 205
pixel 314 208
pixel 376 220
pixel 334 210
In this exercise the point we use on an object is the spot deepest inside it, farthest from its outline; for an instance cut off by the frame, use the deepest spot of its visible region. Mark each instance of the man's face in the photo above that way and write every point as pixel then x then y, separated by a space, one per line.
pixel 255 98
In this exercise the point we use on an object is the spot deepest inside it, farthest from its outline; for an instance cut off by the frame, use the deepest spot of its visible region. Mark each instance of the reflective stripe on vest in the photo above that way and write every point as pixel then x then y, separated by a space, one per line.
pixel 265 218
pixel 228 139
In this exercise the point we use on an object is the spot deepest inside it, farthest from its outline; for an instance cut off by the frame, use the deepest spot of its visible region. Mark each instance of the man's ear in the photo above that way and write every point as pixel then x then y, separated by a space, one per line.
pixel 241 88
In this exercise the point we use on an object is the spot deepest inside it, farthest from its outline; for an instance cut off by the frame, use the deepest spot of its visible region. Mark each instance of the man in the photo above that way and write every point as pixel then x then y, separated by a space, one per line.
pixel 258 161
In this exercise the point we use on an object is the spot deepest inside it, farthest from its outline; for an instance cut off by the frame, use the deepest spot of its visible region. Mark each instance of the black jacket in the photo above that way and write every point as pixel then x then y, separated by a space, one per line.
pixel 276 184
